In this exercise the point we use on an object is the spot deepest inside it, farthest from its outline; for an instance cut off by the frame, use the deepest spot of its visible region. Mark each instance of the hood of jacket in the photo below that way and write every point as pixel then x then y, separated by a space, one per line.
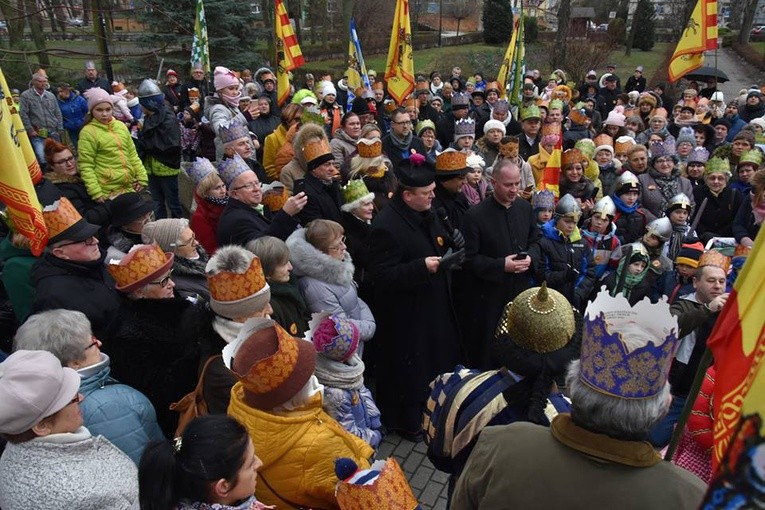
pixel 550 231
pixel 309 261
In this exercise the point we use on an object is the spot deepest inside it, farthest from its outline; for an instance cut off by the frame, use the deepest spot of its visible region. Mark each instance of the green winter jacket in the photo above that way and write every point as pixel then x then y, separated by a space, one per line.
pixel 109 163
pixel 16 278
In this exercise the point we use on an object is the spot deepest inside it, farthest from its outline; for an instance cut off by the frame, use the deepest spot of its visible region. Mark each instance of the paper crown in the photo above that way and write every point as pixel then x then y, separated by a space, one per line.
pixel 333 336
pixel 231 168
pixel 460 100
pixel 423 125
pixel 233 130
pixel 604 207
pixel 140 266
pixel 752 157
pixel 603 139
pixel 717 165
pixel 501 106
pixel 194 94
pixel 231 287
pixel 451 162
pixel 550 128
pixel 464 127
pixel 577 116
pixel 381 487
pixel 510 148
pixel 199 169
pixel 539 319
pixel 63 221
pixel 544 199
pixel 369 147
pixel 627 351
pixel 716 259
pixel 555 104
pixel 492 86
pixel 623 144
pixel 661 149
pixel 587 147
pixel 531 112
pixel 572 156
pixel 316 148
pixel 698 155
pixel 679 201
pixel 355 193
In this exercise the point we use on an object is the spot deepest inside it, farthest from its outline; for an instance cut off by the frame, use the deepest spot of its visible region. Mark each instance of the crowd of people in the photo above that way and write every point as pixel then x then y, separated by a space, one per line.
pixel 343 259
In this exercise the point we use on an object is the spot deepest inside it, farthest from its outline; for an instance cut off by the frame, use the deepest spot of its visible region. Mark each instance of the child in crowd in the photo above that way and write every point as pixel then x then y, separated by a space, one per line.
pixel 633 285
pixel 475 187
pixel 600 233
pixel 656 236
pixel 543 203
pixel 680 281
pixel 678 211
pixel 630 219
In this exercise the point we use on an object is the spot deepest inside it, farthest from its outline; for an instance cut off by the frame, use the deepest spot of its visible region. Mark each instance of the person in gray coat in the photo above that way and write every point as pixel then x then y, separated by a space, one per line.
pixel 325 271
pixel 121 414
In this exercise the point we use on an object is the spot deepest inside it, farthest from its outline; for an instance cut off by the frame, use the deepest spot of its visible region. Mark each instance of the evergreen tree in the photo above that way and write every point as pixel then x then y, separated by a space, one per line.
pixel 644 18
pixel 497 21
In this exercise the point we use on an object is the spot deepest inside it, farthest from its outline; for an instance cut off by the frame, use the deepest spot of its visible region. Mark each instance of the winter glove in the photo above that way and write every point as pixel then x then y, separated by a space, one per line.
pixel 458 239
pixel 452 260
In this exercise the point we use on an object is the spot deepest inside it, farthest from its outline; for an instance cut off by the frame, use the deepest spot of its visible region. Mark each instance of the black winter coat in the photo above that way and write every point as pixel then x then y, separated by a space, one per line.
pixel 396 155
pixel 324 200
pixel 607 100
pixel 526 149
pixel 455 205
pixel 719 213
pixel 83 286
pixel 630 227
pixel 240 223
pixel 491 233
pixel 743 224
pixel 148 353
pixel 417 332
pixel 160 138
pixel 73 188
pixel 357 242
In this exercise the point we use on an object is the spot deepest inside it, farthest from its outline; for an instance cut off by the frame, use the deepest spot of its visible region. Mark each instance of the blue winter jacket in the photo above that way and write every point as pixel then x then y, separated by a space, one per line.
pixel 121 414
pixel 73 110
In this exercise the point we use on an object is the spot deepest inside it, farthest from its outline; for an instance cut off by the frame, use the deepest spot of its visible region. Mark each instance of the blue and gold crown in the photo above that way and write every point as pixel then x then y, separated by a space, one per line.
pixel 233 130
pixel 627 351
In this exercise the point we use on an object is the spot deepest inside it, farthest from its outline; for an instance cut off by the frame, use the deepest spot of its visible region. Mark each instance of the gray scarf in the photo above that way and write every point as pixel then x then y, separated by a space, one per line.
pixel 336 374
pixel 404 143
pixel 667 184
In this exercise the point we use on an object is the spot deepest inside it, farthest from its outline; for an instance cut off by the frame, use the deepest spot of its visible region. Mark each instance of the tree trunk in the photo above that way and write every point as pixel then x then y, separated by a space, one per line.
pixel 631 36
pixel 347 8
pixel 750 7
pixel 564 18
pixel 13 12
pixel 87 7
pixel 36 27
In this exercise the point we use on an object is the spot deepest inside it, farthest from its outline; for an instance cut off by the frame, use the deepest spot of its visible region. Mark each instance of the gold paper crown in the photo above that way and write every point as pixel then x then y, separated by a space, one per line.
pixel 228 287
pixel 603 139
pixel 716 259
pixel 493 85
pixel 409 102
pixel 270 372
pixel 551 128
pixel 510 148
pixel 717 166
pixel 538 319
pixel 389 491
pixel 624 146
pixel 369 147
pixel 141 264
pixel 316 148
pixel 577 116
pixel 59 216
pixel 422 85
pixel 275 201
pixel 572 156
pixel 451 161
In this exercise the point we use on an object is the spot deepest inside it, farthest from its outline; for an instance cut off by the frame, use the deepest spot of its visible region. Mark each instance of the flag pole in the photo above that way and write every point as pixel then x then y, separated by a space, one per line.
pixel 706 360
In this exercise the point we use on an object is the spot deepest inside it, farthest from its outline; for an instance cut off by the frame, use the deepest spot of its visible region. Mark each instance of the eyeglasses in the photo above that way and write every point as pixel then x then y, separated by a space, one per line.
pixel 403 122
pixel 87 242
pixel 76 400
pixel 95 342
pixel 664 159
pixel 340 246
pixel 249 186
pixel 66 161
pixel 190 243
pixel 164 281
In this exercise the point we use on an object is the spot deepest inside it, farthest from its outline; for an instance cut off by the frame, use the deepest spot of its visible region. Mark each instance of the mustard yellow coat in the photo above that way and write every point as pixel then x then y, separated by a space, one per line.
pixel 298 450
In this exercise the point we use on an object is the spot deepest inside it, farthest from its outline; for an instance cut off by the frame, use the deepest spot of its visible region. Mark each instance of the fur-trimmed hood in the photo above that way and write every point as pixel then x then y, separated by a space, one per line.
pixel 309 261
pixel 306 133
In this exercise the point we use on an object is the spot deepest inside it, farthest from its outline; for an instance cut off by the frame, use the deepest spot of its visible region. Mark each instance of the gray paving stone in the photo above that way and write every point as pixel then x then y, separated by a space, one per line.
pixel 440 504
pixel 404 447
pixel 440 476
pixel 430 494
pixel 412 462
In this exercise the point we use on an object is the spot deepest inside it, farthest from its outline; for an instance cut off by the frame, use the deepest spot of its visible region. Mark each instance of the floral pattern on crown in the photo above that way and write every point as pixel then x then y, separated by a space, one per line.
pixel 227 287
pixel 143 261
pixel 270 373
pixel 389 490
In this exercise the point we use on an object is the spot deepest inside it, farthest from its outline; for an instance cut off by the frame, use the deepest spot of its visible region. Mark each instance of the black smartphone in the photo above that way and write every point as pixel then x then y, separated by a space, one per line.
pixel 521 255
pixel 594 193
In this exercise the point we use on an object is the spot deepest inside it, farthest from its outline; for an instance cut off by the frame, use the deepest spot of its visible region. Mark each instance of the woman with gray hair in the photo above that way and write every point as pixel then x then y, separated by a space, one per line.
pixel 175 236
pixel 118 412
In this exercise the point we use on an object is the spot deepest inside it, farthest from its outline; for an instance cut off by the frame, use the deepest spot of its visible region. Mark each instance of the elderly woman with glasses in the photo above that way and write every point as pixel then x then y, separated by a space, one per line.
pixel 64 173
pixel 325 275
pixel 121 414
pixel 663 181
pixel 144 341
pixel 51 459
pixel 723 202
pixel 174 236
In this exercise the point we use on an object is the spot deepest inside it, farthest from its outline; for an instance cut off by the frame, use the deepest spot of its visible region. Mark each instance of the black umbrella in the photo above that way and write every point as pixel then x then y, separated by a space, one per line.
pixel 704 72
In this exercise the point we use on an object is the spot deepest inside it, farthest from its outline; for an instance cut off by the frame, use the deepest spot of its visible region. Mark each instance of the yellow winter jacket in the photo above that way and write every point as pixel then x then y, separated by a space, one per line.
pixel 109 163
pixel 538 162
pixel 273 143
pixel 298 450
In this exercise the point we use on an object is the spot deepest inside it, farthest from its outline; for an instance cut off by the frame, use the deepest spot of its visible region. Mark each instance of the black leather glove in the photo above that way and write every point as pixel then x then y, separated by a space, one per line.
pixel 452 260
pixel 458 239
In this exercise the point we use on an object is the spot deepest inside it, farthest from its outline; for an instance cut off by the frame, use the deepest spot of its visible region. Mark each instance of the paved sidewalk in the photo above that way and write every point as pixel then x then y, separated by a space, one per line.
pixel 428 484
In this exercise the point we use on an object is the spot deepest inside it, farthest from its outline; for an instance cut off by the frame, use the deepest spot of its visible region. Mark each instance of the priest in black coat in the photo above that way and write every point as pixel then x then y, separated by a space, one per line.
pixel 497 232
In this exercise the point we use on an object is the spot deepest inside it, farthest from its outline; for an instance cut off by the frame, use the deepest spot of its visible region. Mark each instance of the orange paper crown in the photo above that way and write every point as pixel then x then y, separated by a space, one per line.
pixel 59 216
pixel 227 286
pixel 389 491
pixel 551 128
pixel 603 139
pixel 369 148
pixel 716 259
pixel 451 161
pixel 623 147
pixel 144 263
pixel 572 156
pixel 510 148
pixel 316 148
pixel 577 116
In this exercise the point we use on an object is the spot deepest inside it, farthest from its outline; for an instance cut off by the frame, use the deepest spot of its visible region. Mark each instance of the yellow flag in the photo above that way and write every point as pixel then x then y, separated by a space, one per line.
pixel 699 35
pixel 399 71
pixel 19 167
pixel 507 62
pixel 289 56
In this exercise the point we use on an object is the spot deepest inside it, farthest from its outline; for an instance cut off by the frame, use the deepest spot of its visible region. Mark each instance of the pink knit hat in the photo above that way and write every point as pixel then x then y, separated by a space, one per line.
pixel 95 96
pixel 336 338
pixel 223 77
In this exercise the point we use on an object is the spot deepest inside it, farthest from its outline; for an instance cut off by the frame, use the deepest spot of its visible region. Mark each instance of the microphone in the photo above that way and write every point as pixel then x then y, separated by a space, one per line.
pixel 444 216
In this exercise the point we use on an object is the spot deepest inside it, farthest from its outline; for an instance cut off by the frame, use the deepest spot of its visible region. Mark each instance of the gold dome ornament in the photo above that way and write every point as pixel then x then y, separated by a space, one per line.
pixel 538 319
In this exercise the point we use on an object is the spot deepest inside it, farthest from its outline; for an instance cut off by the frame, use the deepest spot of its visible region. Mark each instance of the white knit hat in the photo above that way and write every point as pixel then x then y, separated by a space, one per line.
pixel 328 88
pixel 494 124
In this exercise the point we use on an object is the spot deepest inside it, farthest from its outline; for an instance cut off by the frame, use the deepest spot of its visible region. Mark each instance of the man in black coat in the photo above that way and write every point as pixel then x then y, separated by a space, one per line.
pixel 92 79
pixel 197 82
pixel 244 217
pixel 416 322
pixel 497 232
pixel 636 81
pixel 401 141
pixel 445 127
pixel 451 169
pixel 322 190
pixel 531 123
pixel 608 96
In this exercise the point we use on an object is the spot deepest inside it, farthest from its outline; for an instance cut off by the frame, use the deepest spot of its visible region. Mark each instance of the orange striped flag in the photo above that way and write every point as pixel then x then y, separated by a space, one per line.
pixel 738 346
pixel 551 174
pixel 20 171
pixel 399 70
pixel 699 35
pixel 288 53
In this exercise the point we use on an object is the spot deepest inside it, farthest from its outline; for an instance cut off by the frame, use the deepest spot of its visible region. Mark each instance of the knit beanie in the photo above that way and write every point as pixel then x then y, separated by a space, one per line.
pixel 223 77
pixel 165 232
pixel 690 253
pixel 494 124
pixel 336 338
pixel 686 136
pixel 97 95
pixel 328 88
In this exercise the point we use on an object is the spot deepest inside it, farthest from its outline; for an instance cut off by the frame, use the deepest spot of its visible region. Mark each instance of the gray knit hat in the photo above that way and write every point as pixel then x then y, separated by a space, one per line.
pixel 166 232
pixel 238 287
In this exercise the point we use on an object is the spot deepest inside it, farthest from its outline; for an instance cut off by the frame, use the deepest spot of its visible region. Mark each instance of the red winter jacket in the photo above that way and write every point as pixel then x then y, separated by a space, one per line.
pixel 204 223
